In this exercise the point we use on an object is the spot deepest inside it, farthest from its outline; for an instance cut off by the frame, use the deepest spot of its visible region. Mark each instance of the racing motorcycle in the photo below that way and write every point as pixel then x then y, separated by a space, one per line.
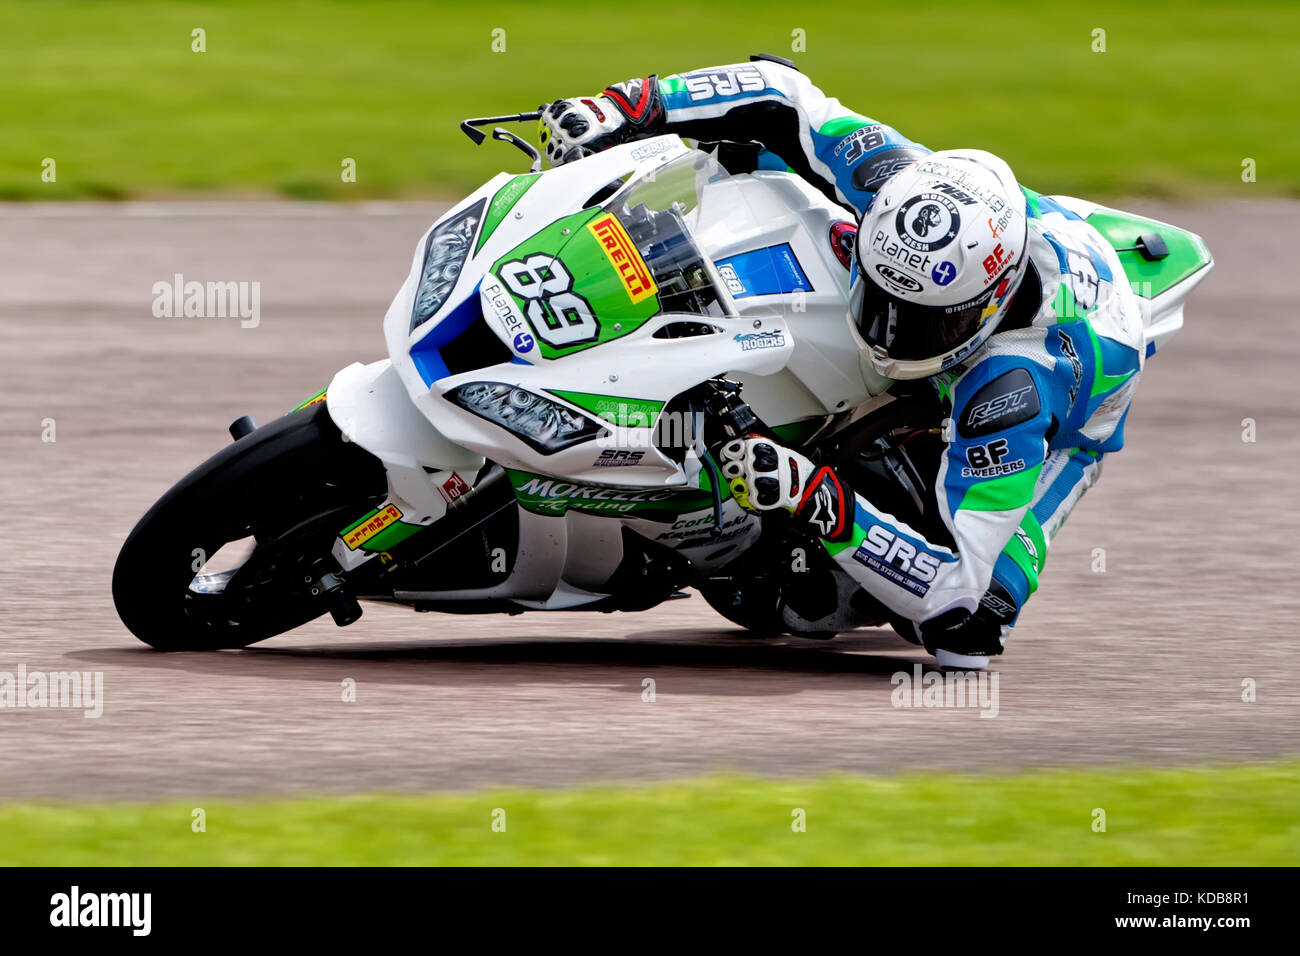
pixel 566 356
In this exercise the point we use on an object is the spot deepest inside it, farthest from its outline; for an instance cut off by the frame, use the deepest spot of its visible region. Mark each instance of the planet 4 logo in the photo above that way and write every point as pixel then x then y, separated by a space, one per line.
pixel 523 342
pixel 943 273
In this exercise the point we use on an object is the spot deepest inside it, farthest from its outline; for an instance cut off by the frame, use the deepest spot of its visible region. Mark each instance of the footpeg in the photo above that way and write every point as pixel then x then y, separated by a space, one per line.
pixel 343 607
pixel 243 425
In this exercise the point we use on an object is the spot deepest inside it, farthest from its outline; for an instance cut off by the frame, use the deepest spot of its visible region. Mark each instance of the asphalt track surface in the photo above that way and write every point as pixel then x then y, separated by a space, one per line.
pixel 1141 664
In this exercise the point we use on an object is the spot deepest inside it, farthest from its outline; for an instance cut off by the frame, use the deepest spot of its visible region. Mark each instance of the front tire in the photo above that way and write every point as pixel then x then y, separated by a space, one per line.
pixel 292 485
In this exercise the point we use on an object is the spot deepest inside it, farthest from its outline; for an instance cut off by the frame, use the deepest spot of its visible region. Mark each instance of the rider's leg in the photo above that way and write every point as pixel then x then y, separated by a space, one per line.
pixel 967 641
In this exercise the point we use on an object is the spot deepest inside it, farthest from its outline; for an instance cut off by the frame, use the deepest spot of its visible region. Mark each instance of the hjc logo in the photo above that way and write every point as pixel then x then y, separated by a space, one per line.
pixel 890 548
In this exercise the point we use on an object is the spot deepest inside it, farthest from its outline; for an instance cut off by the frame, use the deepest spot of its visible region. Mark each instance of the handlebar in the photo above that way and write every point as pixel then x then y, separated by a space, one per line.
pixel 470 128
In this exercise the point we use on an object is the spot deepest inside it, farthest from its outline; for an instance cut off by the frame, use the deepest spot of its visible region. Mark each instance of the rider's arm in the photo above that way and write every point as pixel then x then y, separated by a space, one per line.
pixel 777 106
pixel 985 484
pixel 844 154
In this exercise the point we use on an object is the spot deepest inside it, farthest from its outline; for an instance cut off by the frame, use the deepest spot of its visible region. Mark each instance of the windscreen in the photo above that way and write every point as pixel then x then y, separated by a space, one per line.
pixel 659 212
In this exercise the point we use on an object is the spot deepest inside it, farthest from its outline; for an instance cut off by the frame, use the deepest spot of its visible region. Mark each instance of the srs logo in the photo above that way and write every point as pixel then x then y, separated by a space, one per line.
pixel 731 81
pixel 900 561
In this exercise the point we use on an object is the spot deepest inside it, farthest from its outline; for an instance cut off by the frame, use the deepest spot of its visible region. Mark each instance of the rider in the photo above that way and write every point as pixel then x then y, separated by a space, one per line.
pixel 1012 307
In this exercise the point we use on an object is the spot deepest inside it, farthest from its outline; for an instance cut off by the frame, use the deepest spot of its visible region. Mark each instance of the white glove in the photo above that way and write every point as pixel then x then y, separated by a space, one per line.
pixel 764 476
pixel 574 128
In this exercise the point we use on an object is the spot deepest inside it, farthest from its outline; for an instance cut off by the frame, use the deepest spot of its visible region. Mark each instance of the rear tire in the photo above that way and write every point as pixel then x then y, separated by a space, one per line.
pixel 293 484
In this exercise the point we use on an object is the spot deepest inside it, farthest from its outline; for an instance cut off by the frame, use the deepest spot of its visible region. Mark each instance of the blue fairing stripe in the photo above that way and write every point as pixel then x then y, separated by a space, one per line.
pixel 426 353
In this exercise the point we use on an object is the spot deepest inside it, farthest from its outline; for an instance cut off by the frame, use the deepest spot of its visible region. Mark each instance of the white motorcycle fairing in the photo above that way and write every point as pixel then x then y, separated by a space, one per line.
pixel 758 248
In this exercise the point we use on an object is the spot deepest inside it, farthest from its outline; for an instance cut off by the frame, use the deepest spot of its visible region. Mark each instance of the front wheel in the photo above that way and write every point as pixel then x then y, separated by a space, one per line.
pixel 285 490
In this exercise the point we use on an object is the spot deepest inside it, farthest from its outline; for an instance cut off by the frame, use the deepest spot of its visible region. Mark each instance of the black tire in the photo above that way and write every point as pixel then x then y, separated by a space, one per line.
pixel 293 483
pixel 754 605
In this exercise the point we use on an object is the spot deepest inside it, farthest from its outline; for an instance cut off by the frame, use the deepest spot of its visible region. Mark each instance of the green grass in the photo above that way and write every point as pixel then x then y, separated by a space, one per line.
pixel 1245 815
pixel 287 90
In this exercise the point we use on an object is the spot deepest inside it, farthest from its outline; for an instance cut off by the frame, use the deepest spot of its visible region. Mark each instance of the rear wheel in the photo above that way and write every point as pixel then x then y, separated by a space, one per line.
pixel 285 490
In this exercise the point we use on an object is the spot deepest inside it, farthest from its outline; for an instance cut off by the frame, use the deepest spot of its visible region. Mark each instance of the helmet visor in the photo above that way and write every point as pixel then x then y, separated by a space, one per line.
pixel 909 331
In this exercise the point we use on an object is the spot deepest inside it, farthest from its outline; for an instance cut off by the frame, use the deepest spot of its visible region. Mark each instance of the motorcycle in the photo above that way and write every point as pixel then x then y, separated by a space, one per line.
pixel 566 356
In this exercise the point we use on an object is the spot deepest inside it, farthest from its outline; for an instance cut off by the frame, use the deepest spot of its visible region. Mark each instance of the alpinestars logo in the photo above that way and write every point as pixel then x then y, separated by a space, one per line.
pixel 825 504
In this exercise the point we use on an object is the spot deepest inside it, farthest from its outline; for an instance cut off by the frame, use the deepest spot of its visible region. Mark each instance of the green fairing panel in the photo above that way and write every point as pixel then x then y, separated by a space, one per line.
pixel 545 495
pixel 617 410
pixel 1187 252
pixel 502 203
pixel 576 253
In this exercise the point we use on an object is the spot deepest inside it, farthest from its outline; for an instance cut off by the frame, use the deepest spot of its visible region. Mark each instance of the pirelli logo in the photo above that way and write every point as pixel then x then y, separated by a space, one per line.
pixel 370 526
pixel 622 255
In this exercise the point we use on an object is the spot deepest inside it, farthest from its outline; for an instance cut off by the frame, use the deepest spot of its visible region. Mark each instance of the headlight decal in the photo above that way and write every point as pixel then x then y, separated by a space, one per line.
pixel 541 423
pixel 445 253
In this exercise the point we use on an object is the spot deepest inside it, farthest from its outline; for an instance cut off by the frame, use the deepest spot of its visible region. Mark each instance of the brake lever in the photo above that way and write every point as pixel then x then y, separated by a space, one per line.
pixel 528 149
pixel 469 126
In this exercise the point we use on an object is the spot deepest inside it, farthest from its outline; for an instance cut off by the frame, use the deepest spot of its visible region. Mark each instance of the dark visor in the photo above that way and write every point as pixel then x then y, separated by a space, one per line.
pixel 910 331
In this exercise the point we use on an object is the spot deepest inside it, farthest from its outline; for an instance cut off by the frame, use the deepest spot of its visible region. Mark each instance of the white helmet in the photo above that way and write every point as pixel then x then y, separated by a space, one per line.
pixel 940 253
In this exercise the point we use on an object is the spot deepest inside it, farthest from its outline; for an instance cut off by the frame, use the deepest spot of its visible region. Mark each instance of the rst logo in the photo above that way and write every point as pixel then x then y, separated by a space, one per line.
pixel 1003 404
pixel 897 559
pixel 1076 366
pixel 718 83
pixel 1008 400
pixel 1003 609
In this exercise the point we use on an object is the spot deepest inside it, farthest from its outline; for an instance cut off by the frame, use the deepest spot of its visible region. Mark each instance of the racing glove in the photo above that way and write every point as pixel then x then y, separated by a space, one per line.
pixel 765 477
pixel 574 128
